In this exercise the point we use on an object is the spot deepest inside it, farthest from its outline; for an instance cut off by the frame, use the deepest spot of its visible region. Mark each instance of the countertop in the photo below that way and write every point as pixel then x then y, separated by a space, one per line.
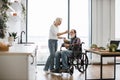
pixel 20 49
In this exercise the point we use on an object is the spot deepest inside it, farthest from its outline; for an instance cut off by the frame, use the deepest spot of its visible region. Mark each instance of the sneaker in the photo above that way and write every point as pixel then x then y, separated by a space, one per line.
pixel 46 71
pixel 64 70
pixel 55 71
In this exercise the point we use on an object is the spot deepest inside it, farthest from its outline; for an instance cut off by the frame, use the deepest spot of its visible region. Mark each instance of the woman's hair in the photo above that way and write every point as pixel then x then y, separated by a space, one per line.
pixel 58 19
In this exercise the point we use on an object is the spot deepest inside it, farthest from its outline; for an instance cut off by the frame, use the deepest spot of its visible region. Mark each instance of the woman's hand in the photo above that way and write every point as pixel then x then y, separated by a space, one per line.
pixel 66 31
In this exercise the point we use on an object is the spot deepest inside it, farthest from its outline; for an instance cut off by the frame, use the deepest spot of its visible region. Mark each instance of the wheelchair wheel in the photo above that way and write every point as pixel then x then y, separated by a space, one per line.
pixel 82 62
pixel 71 70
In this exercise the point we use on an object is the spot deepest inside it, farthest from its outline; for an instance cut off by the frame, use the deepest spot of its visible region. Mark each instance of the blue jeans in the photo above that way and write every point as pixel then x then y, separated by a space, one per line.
pixel 62 55
pixel 52 44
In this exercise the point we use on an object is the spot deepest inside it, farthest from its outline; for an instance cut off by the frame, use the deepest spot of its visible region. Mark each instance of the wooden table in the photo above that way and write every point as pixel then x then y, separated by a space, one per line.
pixel 103 54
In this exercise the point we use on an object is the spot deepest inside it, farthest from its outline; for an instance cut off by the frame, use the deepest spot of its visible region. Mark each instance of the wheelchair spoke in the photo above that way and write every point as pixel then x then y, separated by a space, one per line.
pixel 82 63
pixel 71 70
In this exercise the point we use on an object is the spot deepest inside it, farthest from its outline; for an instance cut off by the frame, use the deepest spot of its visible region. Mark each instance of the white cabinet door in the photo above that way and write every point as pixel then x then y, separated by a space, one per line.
pixel 13 67
pixel 32 66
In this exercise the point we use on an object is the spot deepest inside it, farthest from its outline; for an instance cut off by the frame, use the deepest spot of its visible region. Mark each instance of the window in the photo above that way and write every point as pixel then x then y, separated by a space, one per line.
pixel 42 13
pixel 79 19
pixel 117 19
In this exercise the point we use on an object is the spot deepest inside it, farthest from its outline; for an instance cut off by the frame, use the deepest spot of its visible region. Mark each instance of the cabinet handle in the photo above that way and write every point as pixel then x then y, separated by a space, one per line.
pixel 32 59
pixel 34 56
pixel 36 50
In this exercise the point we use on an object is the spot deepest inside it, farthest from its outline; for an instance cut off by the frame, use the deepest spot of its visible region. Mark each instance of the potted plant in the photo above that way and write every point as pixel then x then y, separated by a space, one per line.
pixel 2 28
pixel 3 17
pixel 112 47
pixel 13 35
pixel 94 46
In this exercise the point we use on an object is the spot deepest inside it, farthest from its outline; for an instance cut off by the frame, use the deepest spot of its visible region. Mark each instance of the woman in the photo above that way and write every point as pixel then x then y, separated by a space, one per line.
pixel 54 35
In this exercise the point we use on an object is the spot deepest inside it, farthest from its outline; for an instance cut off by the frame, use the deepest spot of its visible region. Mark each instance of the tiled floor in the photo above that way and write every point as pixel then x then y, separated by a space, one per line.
pixel 92 72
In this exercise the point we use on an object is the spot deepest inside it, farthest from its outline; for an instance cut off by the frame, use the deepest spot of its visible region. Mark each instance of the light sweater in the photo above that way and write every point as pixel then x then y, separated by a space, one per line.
pixel 53 32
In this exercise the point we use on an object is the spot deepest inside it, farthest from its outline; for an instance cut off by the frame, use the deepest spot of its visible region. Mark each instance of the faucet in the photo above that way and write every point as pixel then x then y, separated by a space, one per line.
pixel 21 36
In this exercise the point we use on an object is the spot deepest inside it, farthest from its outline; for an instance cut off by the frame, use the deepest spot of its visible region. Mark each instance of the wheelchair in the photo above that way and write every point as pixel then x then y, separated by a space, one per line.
pixel 78 60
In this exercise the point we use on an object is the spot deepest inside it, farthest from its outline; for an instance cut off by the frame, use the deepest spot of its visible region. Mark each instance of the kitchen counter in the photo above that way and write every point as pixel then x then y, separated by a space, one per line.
pixel 19 62
pixel 20 49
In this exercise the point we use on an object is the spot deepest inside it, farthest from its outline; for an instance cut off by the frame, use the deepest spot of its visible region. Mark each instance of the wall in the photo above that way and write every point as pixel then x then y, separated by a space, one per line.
pixel 117 19
pixel 103 23
pixel 16 23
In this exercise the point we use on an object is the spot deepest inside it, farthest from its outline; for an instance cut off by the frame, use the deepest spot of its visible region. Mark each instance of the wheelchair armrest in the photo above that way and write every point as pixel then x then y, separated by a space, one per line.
pixel 78 46
pixel 76 53
pixel 77 49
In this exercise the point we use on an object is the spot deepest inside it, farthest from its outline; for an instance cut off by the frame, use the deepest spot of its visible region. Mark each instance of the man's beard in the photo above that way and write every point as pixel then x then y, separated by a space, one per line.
pixel 72 36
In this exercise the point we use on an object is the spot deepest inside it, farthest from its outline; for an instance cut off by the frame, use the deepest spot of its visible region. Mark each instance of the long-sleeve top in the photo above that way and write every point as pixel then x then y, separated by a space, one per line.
pixel 75 43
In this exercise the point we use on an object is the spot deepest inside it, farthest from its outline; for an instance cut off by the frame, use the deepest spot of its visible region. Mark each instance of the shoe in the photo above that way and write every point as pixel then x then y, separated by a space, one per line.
pixel 65 70
pixel 55 71
pixel 46 71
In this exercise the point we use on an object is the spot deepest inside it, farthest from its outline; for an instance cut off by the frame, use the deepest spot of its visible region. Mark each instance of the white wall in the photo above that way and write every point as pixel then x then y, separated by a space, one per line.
pixel 103 23
pixel 117 19
pixel 16 23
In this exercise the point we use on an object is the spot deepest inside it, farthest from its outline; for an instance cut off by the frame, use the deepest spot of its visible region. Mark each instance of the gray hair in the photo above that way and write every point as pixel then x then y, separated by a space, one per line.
pixel 58 19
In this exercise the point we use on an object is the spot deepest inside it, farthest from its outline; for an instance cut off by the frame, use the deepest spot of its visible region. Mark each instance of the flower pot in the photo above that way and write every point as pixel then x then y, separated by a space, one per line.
pixel 11 40
pixel 112 49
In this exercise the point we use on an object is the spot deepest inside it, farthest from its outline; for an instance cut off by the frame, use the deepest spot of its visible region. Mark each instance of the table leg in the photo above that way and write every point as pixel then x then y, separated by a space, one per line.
pixel 101 60
pixel 85 74
pixel 114 67
pixel 86 70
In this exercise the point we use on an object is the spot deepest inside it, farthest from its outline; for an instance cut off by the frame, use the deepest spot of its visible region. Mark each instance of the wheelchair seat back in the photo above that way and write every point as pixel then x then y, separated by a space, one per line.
pixel 77 50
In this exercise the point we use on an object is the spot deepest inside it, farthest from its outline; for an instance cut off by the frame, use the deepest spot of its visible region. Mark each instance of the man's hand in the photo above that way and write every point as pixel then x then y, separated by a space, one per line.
pixel 66 45
pixel 66 41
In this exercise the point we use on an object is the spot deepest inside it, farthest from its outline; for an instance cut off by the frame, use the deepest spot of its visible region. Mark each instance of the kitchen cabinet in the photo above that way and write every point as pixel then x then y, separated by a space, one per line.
pixel 19 63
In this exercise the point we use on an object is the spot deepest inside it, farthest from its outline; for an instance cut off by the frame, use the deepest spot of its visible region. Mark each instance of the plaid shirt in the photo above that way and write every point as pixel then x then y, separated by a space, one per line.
pixel 75 43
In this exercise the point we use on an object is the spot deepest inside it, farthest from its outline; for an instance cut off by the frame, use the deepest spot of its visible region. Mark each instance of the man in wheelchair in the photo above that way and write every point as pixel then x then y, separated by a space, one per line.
pixel 62 56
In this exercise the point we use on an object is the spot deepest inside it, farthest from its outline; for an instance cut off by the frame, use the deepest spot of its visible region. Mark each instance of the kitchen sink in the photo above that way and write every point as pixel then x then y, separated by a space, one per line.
pixel 27 43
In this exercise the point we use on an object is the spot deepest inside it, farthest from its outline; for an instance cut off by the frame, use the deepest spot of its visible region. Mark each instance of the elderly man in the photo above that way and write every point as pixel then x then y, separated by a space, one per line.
pixel 64 54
